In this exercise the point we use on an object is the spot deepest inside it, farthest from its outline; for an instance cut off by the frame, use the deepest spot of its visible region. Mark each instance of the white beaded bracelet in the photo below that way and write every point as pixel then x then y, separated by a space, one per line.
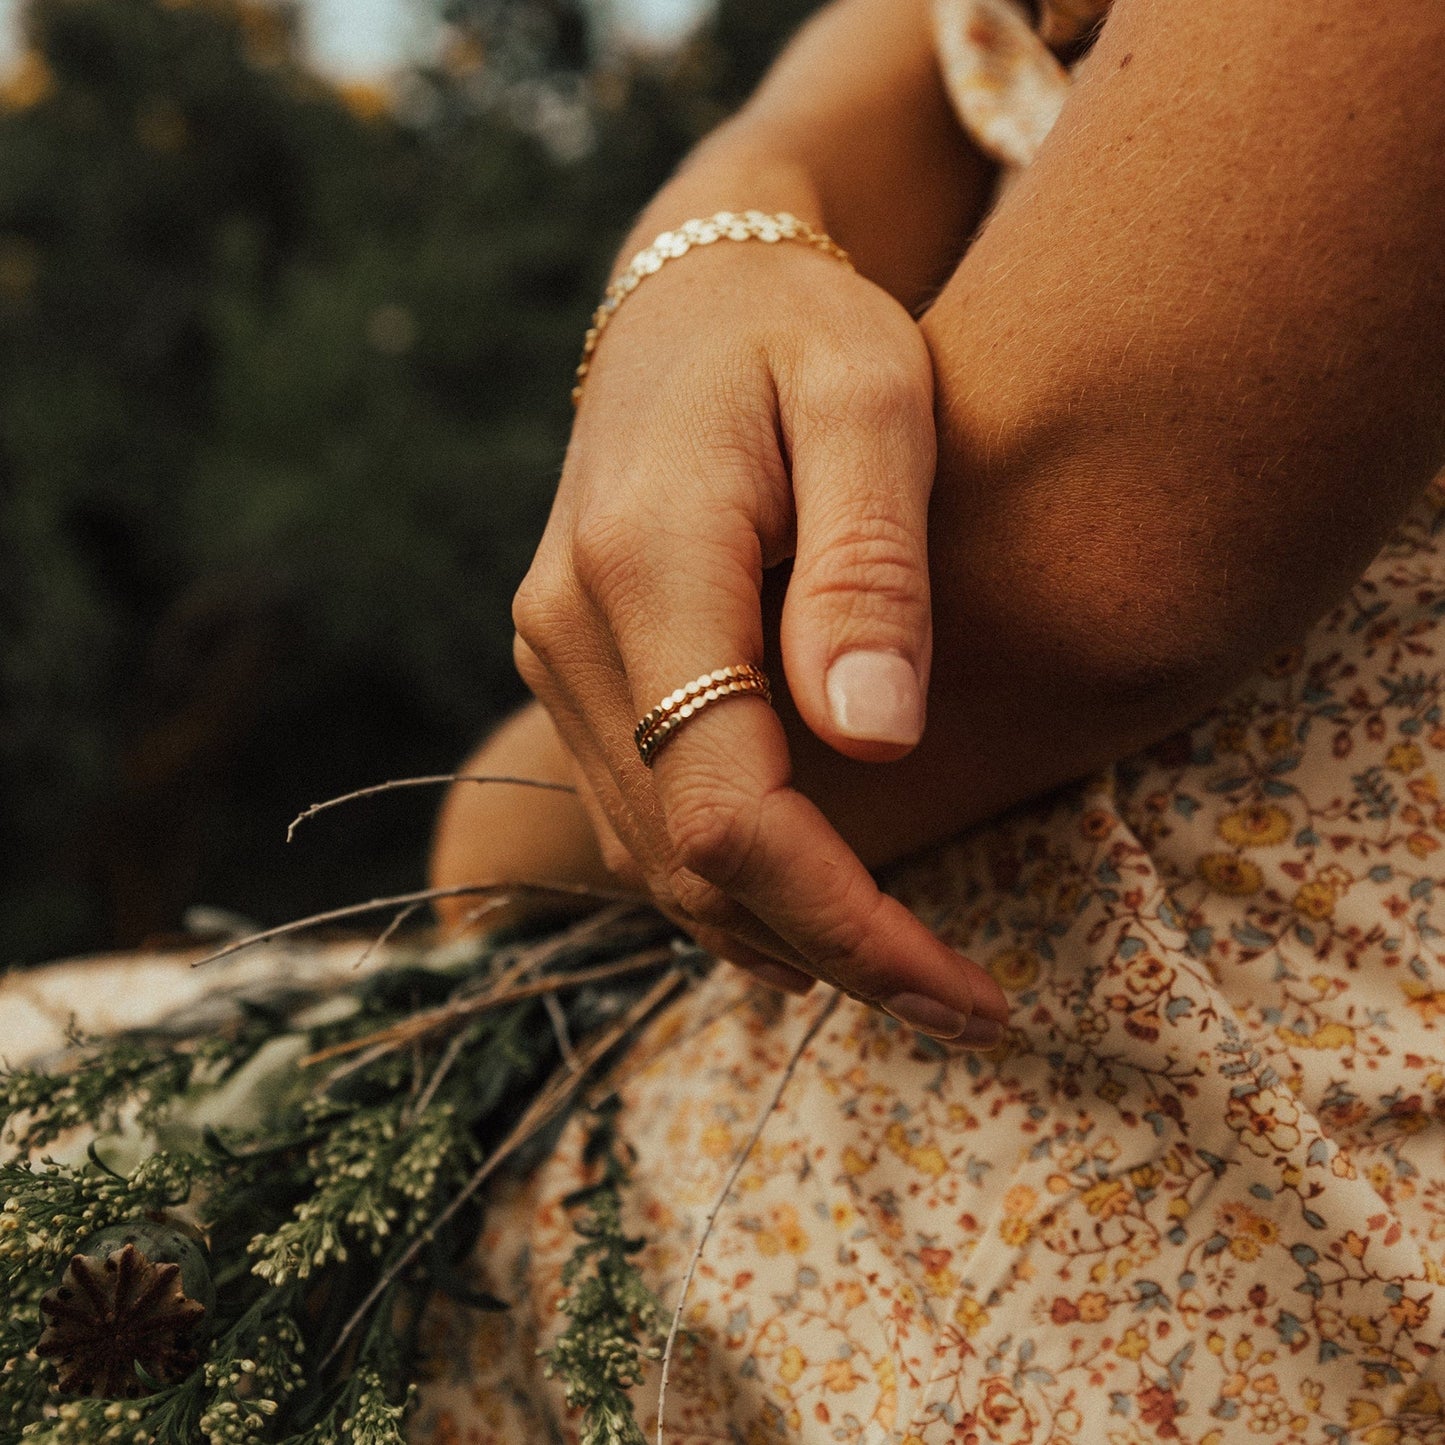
pixel 724 226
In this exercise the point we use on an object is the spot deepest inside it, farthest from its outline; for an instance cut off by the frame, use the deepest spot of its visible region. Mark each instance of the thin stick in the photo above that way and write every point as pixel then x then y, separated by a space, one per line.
pixel 486 906
pixel 576 935
pixel 812 1032
pixel 379 1051
pixel 497 990
pixel 448 1058
pixel 423 895
pixel 552 1099
pixel 384 936
pixel 432 780
pixel 420 1024
pixel 559 1032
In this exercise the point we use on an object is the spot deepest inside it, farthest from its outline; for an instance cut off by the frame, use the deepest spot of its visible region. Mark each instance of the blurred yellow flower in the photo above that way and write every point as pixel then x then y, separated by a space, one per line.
pixel 1404 758
pixel 1278 735
pixel 970 1316
pixel 1014 969
pixel 1133 1345
pixel 366 100
pixel 1014 1230
pixel 1256 825
pixel 1229 874
pixel 1106 1198
pixel 1020 1198
pixel 1316 900
pixel 28 84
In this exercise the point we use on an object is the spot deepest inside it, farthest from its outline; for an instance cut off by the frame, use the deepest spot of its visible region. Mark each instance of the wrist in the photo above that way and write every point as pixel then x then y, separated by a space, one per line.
pixel 725 175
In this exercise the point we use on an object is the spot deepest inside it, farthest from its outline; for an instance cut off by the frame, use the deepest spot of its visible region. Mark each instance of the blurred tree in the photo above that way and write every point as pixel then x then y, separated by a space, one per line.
pixel 283 394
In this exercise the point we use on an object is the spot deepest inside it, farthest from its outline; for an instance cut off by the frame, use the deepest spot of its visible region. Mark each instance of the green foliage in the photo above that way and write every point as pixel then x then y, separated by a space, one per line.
pixel 283 396
pixel 325 1189
pixel 616 1320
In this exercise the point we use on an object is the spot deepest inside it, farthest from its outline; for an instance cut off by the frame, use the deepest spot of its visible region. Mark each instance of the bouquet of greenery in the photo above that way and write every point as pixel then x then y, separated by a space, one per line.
pixel 275 1185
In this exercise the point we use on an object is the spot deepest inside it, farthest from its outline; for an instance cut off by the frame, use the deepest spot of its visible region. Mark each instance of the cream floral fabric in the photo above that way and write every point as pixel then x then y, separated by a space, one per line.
pixel 1001 71
pixel 1198 1195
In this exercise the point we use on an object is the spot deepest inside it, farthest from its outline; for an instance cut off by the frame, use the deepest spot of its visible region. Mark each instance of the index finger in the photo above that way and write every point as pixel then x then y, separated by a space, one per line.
pixel 736 822
pixel 740 833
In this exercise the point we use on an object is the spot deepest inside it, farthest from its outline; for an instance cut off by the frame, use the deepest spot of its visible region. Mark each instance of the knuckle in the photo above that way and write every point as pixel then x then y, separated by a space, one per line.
pixel 702 901
pixel 873 562
pixel 712 835
pixel 538 609
pixel 602 542
pixel 528 664
pixel 838 949
pixel 622 562
pixel 873 391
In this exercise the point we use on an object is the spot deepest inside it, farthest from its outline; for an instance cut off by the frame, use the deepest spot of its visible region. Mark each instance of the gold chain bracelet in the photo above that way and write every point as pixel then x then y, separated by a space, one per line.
pixel 724 226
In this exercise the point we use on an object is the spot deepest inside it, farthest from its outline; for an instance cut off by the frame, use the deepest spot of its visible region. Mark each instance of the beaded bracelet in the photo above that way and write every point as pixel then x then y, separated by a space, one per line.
pixel 724 226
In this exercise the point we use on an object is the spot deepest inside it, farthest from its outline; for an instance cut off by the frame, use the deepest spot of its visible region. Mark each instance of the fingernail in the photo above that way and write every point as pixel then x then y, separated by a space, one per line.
pixel 979 1033
pixel 875 697
pixel 939 1021
pixel 927 1015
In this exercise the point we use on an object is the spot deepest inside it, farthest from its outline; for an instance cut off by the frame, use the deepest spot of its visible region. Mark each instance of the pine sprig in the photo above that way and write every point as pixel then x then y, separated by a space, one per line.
pixel 328 1176
pixel 616 1320
pixel 94 1092
pixel 48 1212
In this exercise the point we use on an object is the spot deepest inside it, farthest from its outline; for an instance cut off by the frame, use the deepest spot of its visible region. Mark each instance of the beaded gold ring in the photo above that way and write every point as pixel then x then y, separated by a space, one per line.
pixel 679 707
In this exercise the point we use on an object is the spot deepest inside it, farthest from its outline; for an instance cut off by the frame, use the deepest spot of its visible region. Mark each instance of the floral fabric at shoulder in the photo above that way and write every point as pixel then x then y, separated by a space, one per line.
pixel 1001 70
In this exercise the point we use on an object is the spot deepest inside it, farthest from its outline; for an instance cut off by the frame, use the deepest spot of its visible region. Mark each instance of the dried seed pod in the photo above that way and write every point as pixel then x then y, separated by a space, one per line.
pixel 131 1307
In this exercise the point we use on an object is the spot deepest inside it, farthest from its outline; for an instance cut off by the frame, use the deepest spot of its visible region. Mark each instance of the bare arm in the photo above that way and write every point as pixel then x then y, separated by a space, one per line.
pixel 1190 375
pixel 852 130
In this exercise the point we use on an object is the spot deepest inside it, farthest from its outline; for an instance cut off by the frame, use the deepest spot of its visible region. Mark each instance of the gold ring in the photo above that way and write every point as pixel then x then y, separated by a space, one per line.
pixel 684 704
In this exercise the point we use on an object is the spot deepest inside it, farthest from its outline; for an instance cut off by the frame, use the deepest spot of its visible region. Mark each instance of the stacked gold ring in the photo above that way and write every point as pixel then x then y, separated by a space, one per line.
pixel 681 706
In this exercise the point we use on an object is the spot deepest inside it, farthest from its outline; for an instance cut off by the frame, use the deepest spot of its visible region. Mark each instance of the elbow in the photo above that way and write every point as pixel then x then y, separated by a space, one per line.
pixel 1080 585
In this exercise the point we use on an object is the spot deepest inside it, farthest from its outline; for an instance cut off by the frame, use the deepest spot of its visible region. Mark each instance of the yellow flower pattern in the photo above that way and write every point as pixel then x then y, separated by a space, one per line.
pixel 1199 1193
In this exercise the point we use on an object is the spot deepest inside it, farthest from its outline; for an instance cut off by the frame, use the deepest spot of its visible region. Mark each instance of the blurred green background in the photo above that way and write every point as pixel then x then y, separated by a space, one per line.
pixel 284 373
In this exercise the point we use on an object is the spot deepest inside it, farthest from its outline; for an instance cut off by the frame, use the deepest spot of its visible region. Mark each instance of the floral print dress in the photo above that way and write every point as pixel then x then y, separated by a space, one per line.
pixel 1199 1192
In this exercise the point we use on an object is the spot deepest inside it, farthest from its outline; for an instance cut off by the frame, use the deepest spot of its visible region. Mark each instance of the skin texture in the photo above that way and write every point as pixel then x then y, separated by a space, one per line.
pixel 1181 386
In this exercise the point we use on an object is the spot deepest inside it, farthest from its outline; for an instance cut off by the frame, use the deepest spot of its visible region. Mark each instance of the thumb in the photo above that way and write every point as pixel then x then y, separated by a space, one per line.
pixel 856 627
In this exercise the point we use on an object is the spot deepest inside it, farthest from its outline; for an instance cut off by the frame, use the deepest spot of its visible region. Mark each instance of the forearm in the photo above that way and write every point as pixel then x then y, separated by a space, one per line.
pixel 1187 385
pixel 852 131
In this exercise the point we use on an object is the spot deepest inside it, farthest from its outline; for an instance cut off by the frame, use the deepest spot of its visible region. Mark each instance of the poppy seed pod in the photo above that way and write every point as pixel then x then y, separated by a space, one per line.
pixel 130 1309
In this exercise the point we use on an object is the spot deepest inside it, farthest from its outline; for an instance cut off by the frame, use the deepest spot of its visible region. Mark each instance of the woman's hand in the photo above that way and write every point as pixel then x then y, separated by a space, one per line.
pixel 751 404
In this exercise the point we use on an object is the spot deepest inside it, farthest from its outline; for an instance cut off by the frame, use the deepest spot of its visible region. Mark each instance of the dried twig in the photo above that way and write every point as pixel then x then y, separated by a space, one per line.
pixel 819 1019
pixel 423 895
pixel 559 1031
pixel 386 933
pixel 432 780
pixel 351 1066
pixel 552 1099
pixel 444 1064
pixel 580 934
pixel 447 1016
